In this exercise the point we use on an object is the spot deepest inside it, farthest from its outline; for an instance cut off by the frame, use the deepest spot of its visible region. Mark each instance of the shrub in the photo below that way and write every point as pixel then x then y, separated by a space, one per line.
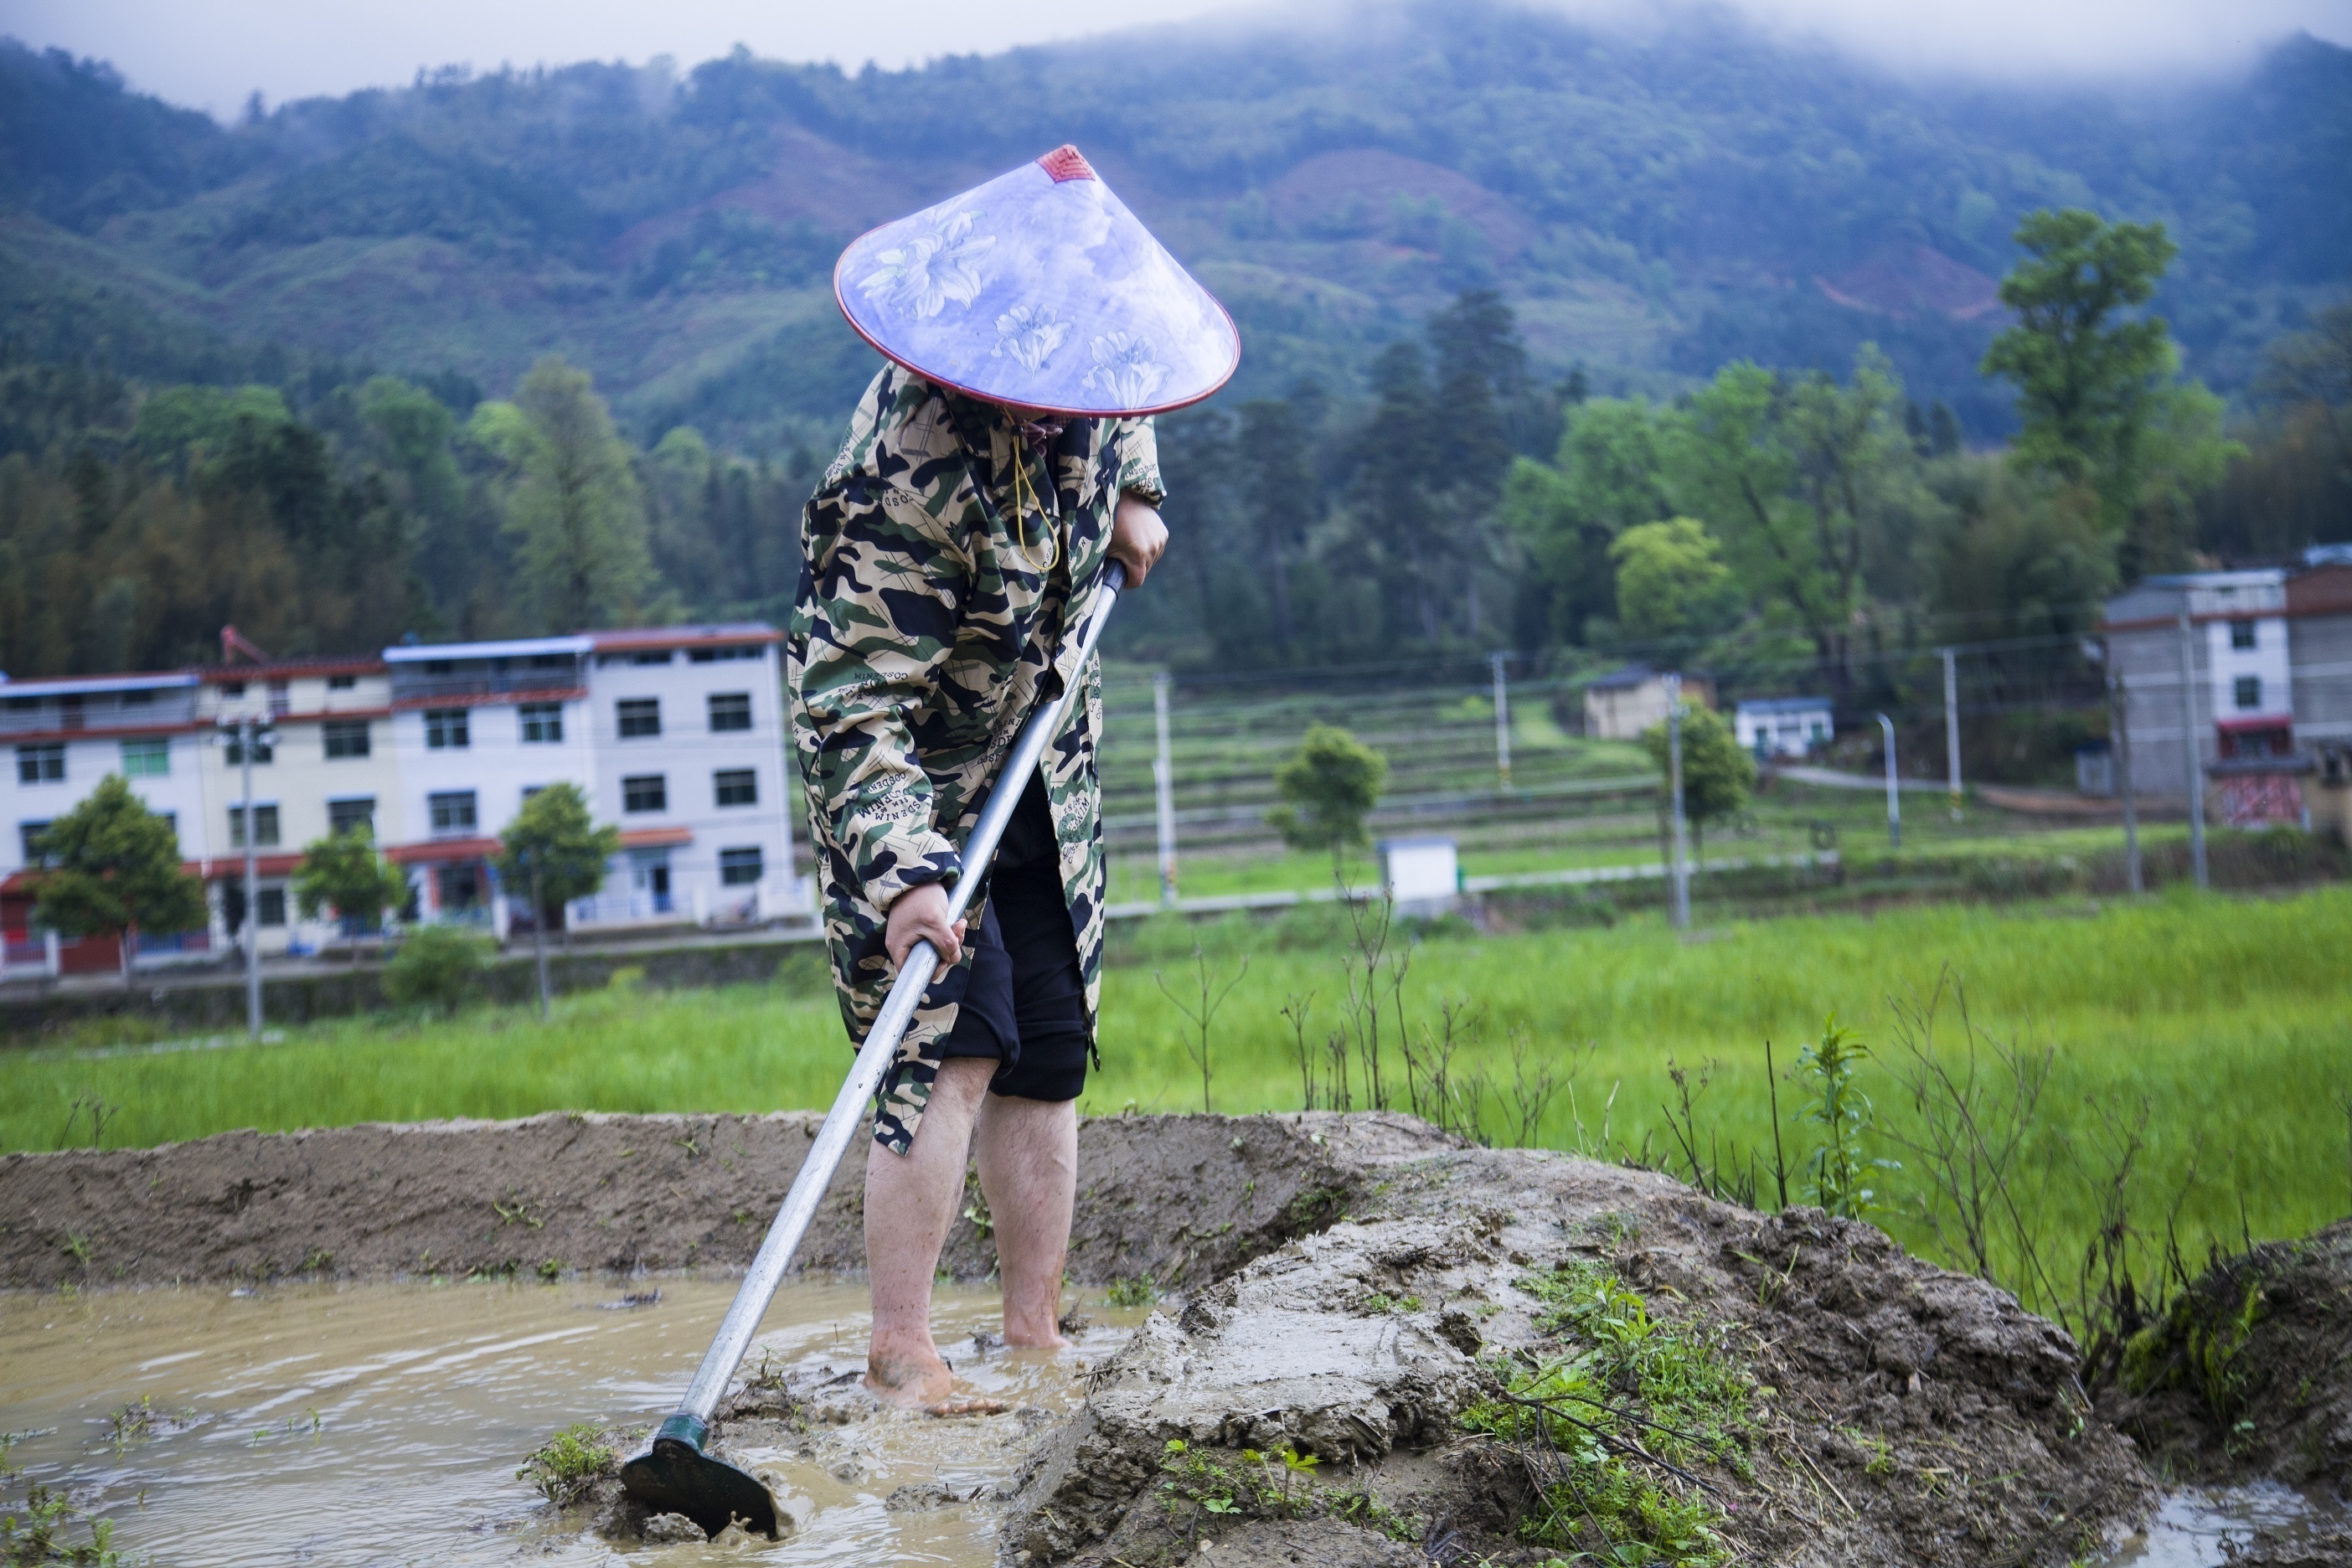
pixel 435 967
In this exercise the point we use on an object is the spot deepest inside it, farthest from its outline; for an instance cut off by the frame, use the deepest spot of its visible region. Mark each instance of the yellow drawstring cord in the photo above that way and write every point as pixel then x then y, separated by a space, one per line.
pixel 1022 497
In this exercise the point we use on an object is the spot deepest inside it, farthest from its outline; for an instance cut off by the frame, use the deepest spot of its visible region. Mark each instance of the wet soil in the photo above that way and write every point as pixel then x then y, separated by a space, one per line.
pixel 2249 1371
pixel 1913 1417
pixel 1181 1199
pixel 1343 1279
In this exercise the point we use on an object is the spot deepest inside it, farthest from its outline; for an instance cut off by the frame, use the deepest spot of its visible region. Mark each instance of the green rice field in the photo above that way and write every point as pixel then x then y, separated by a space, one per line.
pixel 2220 1028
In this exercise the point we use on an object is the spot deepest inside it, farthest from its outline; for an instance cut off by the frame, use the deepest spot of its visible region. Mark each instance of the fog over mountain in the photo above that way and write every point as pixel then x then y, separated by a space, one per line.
pixel 1652 197
pixel 214 54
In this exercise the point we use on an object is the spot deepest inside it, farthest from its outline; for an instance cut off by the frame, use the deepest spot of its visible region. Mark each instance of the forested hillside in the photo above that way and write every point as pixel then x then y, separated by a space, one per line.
pixel 1456 239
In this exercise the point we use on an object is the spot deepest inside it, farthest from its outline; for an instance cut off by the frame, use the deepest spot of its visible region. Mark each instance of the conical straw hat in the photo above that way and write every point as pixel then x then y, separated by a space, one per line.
pixel 1041 290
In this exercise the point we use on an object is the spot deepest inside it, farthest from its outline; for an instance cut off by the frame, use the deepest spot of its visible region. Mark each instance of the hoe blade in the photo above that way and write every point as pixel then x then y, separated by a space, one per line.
pixel 675 1476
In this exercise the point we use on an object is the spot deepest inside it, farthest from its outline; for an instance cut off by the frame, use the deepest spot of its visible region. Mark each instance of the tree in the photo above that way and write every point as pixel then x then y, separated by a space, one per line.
pixel 1397 459
pixel 344 873
pixel 1799 477
pixel 1327 788
pixel 577 513
pixel 1671 582
pixel 1281 490
pixel 1606 477
pixel 553 849
pixel 1716 775
pixel 113 869
pixel 2097 396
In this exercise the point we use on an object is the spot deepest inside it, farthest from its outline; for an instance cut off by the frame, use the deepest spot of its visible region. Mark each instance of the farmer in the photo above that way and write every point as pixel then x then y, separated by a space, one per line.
pixel 950 555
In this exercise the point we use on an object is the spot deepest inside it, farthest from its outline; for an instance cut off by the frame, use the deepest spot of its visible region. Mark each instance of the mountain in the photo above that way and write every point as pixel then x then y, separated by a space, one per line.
pixel 1651 204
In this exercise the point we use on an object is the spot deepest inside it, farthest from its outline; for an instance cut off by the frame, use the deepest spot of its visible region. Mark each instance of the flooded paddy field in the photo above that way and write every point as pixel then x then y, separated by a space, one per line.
pixel 382 1424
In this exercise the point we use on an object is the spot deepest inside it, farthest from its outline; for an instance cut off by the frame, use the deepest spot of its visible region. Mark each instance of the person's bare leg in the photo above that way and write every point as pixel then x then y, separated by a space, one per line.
pixel 910 1200
pixel 1028 1155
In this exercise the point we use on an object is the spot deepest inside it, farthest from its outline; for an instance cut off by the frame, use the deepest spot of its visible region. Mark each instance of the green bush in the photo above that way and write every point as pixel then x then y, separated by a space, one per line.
pixel 435 967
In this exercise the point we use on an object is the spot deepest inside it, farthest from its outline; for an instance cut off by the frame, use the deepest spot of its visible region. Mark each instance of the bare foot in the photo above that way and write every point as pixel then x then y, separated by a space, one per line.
pixel 914 1379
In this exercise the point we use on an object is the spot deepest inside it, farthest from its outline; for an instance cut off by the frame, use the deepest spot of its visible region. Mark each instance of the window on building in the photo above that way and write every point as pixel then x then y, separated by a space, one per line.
pixel 2241 633
pixel 737 786
pixel 341 682
pixel 640 717
pixel 658 656
pixel 281 695
pixel 146 759
pixel 346 737
pixel 356 814
pixel 730 711
pixel 271 902
pixel 28 838
pixel 452 811
pixel 232 689
pixel 543 723
pixel 646 792
pixel 439 666
pixel 720 654
pixel 445 731
pixel 138 700
pixel 265 749
pixel 265 826
pixel 551 660
pixel 41 765
pixel 738 868
pixel 2249 691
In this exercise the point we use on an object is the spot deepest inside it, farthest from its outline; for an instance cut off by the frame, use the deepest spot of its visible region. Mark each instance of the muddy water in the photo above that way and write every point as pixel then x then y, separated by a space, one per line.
pixel 380 1424
pixel 2197 1528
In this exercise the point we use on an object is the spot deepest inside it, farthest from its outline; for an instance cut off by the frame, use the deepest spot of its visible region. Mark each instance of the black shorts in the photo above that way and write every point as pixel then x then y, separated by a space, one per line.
pixel 1025 1002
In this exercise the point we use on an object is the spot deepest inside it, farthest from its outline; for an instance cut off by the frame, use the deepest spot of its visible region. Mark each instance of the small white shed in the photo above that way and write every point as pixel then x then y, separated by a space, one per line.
pixel 1422 875
pixel 1783 726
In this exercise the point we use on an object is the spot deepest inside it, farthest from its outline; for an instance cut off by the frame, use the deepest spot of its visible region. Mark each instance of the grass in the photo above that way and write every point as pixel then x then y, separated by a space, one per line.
pixel 2224 1018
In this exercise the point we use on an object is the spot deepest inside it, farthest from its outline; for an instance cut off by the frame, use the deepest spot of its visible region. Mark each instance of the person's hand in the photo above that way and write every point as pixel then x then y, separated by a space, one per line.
pixel 1137 536
pixel 920 914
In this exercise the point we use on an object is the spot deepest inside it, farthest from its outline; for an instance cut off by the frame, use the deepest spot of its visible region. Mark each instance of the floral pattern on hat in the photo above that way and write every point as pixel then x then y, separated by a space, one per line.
pixel 989 293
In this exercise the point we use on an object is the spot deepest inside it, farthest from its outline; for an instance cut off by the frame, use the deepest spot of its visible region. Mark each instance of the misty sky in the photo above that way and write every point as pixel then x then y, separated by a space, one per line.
pixel 212 53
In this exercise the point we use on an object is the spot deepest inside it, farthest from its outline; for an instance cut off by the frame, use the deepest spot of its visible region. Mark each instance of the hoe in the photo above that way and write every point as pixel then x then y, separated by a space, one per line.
pixel 677 1474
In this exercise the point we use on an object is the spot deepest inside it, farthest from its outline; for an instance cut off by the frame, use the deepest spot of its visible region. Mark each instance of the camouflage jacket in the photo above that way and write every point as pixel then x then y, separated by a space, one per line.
pixel 940 554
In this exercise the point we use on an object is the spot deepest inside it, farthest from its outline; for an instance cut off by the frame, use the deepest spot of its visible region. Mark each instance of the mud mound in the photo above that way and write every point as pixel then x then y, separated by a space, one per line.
pixel 1181 1199
pixel 2250 1371
pixel 1887 1412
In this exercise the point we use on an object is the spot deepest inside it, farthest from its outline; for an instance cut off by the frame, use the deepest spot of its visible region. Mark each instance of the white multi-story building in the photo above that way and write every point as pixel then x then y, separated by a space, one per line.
pixel 2268 701
pixel 64 736
pixel 324 764
pixel 676 734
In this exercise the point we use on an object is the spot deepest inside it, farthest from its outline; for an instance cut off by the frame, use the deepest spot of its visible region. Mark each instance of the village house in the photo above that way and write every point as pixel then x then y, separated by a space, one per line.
pixel 1622 704
pixel 2265 714
pixel 675 734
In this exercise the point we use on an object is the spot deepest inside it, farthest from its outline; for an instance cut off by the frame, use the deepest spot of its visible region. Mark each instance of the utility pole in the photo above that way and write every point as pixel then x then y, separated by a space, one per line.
pixel 539 928
pixel 245 741
pixel 2189 749
pixel 2119 729
pixel 1952 724
pixel 1163 780
pixel 1678 872
pixel 1502 719
pixel 1893 793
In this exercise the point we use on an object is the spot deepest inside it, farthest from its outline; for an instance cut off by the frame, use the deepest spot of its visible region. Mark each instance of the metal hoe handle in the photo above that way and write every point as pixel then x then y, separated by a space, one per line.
pixel 881 1047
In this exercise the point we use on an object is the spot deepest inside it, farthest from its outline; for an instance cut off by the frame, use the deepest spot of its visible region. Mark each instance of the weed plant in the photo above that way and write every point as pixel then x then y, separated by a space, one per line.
pixel 564 1467
pixel 1612 1421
